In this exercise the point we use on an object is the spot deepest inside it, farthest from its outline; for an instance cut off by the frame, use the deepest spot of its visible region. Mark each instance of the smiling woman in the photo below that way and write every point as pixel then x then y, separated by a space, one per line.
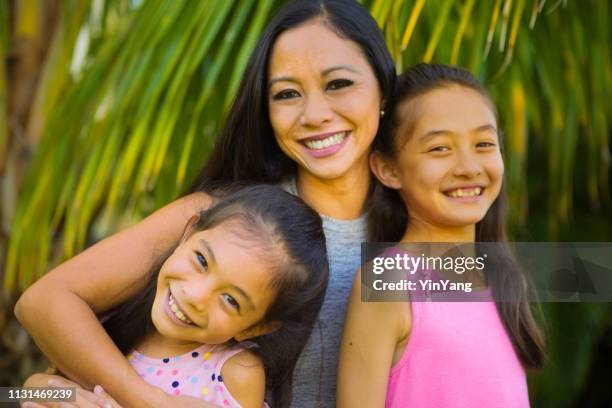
pixel 306 112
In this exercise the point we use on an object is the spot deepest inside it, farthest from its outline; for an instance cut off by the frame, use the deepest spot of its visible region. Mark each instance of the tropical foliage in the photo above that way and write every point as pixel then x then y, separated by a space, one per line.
pixel 132 93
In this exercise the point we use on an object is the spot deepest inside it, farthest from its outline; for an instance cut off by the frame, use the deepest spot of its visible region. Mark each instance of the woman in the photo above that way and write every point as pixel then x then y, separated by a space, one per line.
pixel 309 106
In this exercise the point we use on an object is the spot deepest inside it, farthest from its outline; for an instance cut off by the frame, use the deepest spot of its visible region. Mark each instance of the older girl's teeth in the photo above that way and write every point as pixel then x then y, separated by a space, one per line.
pixel 469 192
pixel 327 142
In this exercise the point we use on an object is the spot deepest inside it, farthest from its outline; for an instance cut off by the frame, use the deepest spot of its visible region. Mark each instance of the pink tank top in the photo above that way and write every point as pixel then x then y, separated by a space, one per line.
pixel 458 355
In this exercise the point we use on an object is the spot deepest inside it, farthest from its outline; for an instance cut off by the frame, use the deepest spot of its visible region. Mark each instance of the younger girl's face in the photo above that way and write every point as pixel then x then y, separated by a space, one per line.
pixel 449 162
pixel 213 288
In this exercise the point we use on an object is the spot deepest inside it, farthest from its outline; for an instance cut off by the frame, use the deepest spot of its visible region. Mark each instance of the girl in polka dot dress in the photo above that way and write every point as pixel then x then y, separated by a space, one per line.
pixel 228 312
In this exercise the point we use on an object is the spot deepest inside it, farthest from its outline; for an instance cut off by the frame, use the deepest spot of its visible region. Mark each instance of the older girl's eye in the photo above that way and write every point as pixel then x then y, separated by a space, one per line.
pixel 439 149
pixel 201 260
pixel 231 301
pixel 486 144
pixel 339 84
pixel 286 94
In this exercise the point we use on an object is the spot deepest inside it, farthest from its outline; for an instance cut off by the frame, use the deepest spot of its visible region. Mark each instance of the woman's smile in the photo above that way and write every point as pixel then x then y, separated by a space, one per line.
pixel 325 144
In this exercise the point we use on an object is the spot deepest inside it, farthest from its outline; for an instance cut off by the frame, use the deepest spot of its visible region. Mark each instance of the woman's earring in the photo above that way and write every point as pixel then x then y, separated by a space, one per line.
pixel 382 113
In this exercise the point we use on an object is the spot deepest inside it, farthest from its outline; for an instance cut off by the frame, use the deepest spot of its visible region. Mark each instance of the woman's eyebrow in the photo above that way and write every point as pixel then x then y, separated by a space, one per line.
pixel 325 72
pixel 281 79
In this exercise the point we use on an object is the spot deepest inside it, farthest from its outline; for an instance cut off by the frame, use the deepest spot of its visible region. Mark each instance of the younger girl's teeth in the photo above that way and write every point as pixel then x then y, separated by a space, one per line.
pixel 332 140
pixel 177 312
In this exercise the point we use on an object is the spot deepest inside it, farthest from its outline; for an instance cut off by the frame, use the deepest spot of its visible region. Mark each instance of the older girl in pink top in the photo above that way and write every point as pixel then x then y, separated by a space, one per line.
pixel 444 158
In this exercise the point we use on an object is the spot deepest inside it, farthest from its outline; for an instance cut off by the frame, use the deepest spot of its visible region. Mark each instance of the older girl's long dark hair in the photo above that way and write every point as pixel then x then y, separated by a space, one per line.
pixel 246 149
pixel 389 217
pixel 282 225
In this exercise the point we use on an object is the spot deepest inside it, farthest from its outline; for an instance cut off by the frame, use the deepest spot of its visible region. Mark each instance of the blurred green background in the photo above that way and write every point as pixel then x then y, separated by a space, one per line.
pixel 109 107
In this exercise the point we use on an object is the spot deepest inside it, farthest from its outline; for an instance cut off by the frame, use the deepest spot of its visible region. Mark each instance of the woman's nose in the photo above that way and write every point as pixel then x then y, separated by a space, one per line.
pixel 316 110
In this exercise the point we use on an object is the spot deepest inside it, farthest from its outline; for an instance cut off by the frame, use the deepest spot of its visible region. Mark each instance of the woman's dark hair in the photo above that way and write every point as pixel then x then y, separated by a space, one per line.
pixel 389 216
pixel 290 234
pixel 246 149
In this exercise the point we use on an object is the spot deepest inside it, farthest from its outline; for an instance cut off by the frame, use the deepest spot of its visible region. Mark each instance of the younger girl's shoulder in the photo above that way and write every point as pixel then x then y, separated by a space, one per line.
pixel 244 376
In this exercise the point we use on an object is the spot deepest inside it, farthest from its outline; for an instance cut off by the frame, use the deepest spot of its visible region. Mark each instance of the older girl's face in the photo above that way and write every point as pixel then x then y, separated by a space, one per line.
pixel 449 167
pixel 324 100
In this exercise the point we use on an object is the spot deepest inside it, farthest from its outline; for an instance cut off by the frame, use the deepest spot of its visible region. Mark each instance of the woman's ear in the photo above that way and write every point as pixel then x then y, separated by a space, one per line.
pixel 258 330
pixel 385 170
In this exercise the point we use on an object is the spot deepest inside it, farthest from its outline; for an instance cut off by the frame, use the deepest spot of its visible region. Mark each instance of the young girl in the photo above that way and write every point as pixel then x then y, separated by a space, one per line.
pixel 444 158
pixel 230 309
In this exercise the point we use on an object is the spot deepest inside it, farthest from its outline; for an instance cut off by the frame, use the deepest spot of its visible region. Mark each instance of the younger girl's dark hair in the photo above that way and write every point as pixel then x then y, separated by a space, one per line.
pixel 246 149
pixel 290 234
pixel 389 217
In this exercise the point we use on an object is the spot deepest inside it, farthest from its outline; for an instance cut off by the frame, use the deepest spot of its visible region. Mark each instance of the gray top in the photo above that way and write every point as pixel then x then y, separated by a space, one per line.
pixel 315 374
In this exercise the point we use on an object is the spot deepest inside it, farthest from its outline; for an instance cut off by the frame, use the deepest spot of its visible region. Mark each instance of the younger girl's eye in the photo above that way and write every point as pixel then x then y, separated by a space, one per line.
pixel 438 149
pixel 201 260
pixel 339 83
pixel 285 94
pixel 485 144
pixel 231 301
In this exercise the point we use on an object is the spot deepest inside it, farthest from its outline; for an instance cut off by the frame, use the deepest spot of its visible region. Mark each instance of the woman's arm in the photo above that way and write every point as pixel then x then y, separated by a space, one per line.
pixel 59 310
pixel 84 398
pixel 372 331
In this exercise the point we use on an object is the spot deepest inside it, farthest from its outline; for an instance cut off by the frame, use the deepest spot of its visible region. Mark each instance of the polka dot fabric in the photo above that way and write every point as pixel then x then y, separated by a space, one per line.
pixel 195 374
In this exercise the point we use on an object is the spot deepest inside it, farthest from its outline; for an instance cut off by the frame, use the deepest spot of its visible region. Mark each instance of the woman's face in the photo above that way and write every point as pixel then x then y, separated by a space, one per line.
pixel 324 100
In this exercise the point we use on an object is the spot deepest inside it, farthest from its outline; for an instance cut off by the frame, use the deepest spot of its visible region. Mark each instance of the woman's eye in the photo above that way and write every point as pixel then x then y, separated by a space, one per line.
pixel 286 94
pixel 201 260
pixel 231 301
pixel 339 83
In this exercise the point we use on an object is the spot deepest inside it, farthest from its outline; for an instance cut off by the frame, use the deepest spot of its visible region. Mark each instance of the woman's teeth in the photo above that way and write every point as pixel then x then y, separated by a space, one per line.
pixel 177 312
pixel 332 140
pixel 465 192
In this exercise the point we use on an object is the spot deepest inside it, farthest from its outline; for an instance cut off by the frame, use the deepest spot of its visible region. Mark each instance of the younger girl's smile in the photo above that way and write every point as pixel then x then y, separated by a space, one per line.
pixel 176 314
